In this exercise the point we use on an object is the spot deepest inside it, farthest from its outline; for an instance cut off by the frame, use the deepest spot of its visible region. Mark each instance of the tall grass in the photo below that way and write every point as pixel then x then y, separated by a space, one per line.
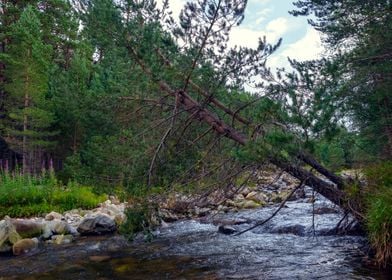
pixel 379 211
pixel 23 195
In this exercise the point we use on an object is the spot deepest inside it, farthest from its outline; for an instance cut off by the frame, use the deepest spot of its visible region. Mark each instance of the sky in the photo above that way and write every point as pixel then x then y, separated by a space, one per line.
pixel 270 18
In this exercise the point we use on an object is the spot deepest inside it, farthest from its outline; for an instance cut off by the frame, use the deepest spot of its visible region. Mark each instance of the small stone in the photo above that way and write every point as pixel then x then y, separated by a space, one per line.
pixel 62 239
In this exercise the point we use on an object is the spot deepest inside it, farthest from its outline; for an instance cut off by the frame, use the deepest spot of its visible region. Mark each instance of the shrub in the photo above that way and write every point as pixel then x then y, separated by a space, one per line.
pixel 140 218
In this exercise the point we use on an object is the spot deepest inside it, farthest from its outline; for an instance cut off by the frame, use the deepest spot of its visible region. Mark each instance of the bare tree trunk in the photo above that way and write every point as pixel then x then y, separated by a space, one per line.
pixel 25 127
pixel 327 189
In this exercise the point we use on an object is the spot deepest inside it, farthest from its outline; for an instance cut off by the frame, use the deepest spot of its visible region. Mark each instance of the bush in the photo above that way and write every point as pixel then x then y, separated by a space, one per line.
pixel 140 218
pixel 26 195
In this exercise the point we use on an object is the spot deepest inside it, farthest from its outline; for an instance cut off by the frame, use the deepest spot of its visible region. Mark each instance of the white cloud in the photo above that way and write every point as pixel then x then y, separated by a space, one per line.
pixel 278 25
pixel 262 15
pixel 248 37
pixel 307 48
pixel 175 6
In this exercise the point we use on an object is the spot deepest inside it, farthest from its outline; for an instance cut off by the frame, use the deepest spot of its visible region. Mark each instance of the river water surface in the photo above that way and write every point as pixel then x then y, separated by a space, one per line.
pixel 293 245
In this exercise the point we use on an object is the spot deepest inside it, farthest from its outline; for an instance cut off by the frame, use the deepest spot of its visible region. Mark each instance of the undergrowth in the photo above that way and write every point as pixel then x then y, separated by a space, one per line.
pixel 27 195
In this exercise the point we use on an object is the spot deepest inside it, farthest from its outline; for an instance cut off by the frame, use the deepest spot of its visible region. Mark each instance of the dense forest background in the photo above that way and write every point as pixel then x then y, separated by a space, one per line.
pixel 118 94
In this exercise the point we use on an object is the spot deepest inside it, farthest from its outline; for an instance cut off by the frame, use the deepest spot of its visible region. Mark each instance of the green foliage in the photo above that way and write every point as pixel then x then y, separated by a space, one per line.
pixel 28 117
pixel 26 195
pixel 379 210
pixel 139 218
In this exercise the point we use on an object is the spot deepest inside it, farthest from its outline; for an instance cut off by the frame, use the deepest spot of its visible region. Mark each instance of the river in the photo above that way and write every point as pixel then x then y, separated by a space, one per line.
pixel 293 245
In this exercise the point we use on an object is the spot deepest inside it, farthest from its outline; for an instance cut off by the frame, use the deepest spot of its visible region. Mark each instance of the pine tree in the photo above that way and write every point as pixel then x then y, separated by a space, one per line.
pixel 28 116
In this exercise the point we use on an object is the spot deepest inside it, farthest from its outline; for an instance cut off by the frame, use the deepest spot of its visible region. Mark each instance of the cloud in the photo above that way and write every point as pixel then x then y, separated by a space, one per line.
pixel 278 25
pixel 307 48
pixel 262 15
pixel 248 37
pixel 175 6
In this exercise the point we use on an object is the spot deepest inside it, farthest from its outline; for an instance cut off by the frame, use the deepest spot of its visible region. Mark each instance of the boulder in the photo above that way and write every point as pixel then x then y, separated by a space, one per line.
pixel 100 224
pixel 54 216
pixel 73 219
pixel 27 228
pixel 24 246
pixel 8 235
pixel 56 227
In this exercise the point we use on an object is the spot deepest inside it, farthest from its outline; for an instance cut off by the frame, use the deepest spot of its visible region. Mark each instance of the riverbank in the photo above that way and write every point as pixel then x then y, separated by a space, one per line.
pixel 195 249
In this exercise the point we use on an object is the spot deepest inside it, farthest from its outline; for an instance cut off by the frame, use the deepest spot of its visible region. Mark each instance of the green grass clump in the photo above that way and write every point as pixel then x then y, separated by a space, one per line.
pixel 140 218
pixel 379 211
pixel 26 195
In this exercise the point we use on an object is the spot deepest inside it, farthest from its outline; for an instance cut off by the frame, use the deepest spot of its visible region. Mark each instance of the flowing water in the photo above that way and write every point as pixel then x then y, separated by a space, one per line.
pixel 293 245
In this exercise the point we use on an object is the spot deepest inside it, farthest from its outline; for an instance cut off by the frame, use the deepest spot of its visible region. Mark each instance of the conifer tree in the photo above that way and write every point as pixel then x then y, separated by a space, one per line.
pixel 28 116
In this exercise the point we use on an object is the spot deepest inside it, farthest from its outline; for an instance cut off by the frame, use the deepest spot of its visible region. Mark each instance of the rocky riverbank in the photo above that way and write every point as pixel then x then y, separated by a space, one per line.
pixel 20 236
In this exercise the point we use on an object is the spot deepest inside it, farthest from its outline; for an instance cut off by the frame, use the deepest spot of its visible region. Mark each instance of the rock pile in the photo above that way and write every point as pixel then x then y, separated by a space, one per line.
pixel 20 236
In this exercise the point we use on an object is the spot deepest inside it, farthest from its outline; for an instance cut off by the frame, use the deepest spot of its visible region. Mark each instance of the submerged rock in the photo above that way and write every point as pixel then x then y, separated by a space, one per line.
pixel 226 230
pixel 227 222
pixel 100 224
pixel 24 246
pixel 325 210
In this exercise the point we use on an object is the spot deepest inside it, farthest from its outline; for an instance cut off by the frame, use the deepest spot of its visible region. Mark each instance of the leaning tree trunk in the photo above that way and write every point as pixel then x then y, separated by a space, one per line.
pixel 331 190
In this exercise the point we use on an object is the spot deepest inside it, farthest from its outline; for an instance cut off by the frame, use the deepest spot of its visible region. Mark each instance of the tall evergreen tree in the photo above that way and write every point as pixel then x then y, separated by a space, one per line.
pixel 356 33
pixel 28 116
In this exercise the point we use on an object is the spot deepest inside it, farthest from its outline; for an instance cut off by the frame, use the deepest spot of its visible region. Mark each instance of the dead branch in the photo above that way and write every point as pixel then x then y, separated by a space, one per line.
pixel 260 223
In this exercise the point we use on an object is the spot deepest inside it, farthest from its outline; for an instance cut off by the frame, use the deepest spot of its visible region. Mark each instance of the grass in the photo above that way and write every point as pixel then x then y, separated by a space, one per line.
pixel 379 211
pixel 27 195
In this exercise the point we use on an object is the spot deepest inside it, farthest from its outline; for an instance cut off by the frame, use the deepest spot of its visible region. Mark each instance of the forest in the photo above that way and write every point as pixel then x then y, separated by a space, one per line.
pixel 118 97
